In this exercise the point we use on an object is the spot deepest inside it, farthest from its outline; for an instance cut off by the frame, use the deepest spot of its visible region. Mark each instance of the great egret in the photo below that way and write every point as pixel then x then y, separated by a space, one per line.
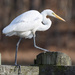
pixel 26 24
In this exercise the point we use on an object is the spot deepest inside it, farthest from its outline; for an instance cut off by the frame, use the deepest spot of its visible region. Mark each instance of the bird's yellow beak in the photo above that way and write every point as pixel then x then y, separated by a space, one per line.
pixel 58 17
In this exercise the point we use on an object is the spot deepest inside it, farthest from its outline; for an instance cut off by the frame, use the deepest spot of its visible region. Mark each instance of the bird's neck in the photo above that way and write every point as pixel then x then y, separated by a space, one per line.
pixel 46 21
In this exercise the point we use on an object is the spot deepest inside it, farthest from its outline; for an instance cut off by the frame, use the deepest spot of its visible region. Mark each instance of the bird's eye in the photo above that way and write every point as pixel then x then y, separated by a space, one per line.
pixel 53 13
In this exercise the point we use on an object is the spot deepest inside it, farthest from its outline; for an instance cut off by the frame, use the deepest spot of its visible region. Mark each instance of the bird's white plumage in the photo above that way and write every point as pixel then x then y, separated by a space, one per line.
pixel 25 24
pixel 27 16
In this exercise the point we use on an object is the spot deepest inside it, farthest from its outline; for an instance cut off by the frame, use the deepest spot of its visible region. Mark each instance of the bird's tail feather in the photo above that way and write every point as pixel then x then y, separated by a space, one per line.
pixel 8 29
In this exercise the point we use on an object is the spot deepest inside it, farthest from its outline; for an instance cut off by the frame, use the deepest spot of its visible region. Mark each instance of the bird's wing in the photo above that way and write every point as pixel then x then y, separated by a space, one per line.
pixel 26 21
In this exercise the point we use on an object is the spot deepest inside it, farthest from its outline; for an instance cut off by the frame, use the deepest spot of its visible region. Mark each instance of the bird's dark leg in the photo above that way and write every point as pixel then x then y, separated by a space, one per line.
pixel 17 45
pixel 37 46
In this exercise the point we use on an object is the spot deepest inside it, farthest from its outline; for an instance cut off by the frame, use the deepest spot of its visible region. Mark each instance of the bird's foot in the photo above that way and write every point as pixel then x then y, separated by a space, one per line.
pixel 19 68
pixel 46 51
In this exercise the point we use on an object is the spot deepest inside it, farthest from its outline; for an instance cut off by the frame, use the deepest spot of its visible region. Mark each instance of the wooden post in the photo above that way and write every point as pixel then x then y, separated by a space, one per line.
pixel 0 58
pixel 53 58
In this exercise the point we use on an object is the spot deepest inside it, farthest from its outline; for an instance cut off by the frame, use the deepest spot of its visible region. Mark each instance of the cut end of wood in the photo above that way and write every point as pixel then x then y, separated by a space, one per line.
pixel 53 58
pixel 0 58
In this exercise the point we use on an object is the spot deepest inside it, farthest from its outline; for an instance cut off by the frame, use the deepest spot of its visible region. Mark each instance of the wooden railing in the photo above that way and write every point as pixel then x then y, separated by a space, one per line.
pixel 49 63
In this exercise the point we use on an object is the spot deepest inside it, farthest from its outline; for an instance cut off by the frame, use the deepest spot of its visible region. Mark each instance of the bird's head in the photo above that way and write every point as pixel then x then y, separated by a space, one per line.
pixel 51 13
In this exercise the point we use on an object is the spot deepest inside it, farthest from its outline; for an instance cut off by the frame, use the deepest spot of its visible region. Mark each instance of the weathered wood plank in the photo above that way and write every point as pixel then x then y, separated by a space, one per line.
pixel 25 70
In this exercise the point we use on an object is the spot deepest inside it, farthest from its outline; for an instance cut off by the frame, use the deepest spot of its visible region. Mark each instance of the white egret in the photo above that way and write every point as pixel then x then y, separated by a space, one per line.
pixel 26 24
